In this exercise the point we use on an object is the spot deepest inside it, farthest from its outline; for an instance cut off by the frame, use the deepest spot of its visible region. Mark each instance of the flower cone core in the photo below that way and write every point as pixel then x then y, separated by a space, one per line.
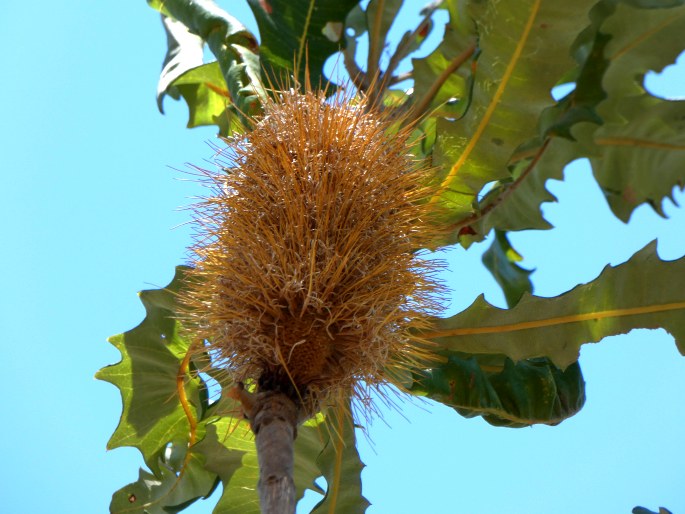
pixel 306 266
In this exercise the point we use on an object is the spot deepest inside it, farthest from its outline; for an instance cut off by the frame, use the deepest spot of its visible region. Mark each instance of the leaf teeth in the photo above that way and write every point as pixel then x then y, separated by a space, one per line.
pixel 502 95
pixel 640 293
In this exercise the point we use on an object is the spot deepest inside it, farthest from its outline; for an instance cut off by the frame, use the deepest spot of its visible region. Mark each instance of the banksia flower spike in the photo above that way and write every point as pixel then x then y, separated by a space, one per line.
pixel 306 277
pixel 306 284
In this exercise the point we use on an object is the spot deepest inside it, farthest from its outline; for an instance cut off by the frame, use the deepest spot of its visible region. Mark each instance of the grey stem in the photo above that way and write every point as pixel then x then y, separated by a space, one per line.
pixel 274 418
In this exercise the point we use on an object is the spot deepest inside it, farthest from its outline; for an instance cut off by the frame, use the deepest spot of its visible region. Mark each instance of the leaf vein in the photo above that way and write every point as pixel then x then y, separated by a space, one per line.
pixel 485 120
pixel 560 320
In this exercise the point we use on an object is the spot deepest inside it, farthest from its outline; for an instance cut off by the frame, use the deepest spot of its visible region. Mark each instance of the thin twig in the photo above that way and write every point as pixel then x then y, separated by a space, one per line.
pixel 375 47
pixel 405 43
pixel 477 216
pixel 407 75
pixel 303 39
pixel 422 105
pixel 359 78
pixel 387 78
pixel 362 81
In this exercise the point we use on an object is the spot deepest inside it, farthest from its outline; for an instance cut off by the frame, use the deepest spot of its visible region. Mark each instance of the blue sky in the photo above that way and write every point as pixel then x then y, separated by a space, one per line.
pixel 91 191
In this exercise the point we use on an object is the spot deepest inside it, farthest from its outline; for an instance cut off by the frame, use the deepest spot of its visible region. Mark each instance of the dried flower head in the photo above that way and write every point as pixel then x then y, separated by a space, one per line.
pixel 307 275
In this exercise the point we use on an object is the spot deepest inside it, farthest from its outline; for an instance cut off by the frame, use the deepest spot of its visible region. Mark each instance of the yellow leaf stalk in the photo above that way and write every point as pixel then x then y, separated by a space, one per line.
pixel 306 278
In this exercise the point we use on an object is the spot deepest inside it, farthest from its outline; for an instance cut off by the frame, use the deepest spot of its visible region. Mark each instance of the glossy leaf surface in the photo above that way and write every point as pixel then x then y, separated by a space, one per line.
pixel 501 260
pixel 633 140
pixel 643 137
pixel 523 52
pixel 301 32
pixel 529 392
pixel 341 467
pixel 234 47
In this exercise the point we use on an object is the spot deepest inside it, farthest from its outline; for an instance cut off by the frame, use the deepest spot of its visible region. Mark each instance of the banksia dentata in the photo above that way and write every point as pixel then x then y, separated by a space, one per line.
pixel 305 274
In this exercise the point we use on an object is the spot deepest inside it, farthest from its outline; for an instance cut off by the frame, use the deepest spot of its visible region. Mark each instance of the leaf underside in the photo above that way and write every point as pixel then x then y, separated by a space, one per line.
pixel 189 453
pixel 494 135
pixel 493 120
pixel 529 392
pixel 644 292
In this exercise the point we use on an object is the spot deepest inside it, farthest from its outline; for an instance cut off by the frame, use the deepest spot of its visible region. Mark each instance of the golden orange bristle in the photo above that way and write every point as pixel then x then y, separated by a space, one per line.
pixel 307 276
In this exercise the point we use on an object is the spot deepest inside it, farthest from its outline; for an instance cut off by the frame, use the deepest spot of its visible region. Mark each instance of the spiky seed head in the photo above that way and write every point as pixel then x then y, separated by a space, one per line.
pixel 306 273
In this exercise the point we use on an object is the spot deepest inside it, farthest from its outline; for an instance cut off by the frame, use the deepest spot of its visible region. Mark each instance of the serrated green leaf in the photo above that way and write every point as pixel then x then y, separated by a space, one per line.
pixel 641 145
pixel 641 160
pixel 644 292
pixel 514 204
pixel 523 53
pixel 341 467
pixel 151 355
pixel 229 451
pixel 154 422
pixel 184 52
pixel 529 392
pixel 310 442
pixel 642 38
pixel 629 136
pixel 152 494
pixel 234 47
pixel 202 17
pixel 154 419
pixel 520 210
pixel 305 32
pixel 204 90
pixel 500 259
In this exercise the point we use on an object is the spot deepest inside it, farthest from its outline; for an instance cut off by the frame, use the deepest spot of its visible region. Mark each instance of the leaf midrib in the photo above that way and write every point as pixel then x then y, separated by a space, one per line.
pixel 560 320
pixel 485 120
